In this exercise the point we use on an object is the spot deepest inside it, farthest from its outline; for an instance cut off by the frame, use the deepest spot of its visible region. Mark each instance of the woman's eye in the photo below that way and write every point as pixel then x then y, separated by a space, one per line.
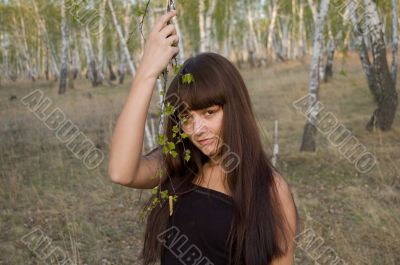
pixel 209 112
pixel 186 118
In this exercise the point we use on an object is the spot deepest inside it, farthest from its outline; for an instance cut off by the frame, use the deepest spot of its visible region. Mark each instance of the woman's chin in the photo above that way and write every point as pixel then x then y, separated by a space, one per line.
pixel 211 153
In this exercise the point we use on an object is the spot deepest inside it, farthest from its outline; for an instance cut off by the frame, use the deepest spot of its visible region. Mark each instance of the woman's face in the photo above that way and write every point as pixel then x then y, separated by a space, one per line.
pixel 204 128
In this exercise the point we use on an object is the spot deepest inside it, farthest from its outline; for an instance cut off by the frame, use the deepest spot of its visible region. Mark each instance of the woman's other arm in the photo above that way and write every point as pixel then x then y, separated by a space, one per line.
pixel 290 214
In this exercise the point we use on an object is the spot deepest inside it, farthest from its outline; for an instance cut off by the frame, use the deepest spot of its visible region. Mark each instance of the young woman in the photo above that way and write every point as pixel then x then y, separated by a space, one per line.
pixel 232 206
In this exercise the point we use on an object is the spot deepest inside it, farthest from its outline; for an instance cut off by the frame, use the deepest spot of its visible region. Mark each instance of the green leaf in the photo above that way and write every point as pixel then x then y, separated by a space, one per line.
pixel 164 194
pixel 184 135
pixel 169 109
pixel 187 155
pixel 165 149
pixel 139 12
pixel 171 145
pixel 187 78
pixel 174 153
pixel 175 129
pixel 177 68
pixel 161 139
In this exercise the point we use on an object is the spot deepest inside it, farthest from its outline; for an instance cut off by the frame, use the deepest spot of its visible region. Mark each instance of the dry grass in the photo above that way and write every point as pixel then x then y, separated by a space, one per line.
pixel 43 184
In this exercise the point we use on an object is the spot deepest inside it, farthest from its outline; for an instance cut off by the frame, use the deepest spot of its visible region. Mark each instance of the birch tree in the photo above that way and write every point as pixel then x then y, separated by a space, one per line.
pixel 122 39
pixel 205 24
pixel 271 29
pixel 255 42
pixel 45 34
pixel 310 129
pixel 379 76
pixel 395 39
pixel 100 41
pixel 64 50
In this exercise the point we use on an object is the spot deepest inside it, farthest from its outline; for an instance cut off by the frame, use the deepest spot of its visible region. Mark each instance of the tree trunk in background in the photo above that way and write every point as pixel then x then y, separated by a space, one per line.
pixel 255 43
pixel 23 47
pixel 122 39
pixel 127 37
pixel 113 77
pixel 100 42
pixel 321 62
pixel 64 50
pixel 271 30
pixel 92 71
pixel 42 26
pixel 76 59
pixel 285 38
pixel 121 65
pixel 328 68
pixel 329 61
pixel 395 40
pixel 310 129
pixel 313 7
pixel 203 40
pixel 21 50
pixel 205 24
pixel 360 44
pixel 93 66
pixel 181 46
pixel 303 40
pixel 209 21
pixel 385 89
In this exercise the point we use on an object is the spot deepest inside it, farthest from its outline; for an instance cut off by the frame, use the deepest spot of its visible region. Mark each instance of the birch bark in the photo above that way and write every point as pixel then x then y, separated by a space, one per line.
pixel 310 130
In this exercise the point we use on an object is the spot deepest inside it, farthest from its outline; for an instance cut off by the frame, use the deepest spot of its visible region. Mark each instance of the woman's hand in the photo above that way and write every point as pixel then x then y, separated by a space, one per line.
pixel 158 50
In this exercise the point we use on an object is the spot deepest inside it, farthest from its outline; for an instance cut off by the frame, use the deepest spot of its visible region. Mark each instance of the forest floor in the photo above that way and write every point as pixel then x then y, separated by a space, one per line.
pixel 354 216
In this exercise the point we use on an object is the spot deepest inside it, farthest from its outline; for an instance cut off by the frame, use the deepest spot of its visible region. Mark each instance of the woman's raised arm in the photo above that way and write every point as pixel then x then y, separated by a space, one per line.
pixel 126 164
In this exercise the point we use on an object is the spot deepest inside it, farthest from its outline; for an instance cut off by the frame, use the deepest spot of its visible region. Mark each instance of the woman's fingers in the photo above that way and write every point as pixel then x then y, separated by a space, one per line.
pixel 174 50
pixel 167 31
pixel 162 21
pixel 172 39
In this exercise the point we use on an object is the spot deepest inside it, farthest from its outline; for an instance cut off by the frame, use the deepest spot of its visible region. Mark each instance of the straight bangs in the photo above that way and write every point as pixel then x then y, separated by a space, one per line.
pixel 205 89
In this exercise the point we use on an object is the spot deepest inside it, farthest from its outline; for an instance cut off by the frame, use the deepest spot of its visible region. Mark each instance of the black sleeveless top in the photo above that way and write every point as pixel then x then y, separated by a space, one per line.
pixel 198 229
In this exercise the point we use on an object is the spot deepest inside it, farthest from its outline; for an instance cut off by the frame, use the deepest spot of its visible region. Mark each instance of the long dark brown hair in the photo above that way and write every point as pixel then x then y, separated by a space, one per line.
pixel 259 230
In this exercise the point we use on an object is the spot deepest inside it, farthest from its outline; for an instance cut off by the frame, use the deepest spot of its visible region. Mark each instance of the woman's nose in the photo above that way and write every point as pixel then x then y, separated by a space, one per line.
pixel 198 126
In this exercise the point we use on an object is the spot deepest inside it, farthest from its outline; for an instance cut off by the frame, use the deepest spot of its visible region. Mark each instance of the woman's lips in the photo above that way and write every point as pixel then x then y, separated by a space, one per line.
pixel 205 141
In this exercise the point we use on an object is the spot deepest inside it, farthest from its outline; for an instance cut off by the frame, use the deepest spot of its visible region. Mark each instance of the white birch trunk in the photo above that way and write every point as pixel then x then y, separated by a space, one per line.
pixel 21 51
pixel 43 30
pixel 383 116
pixel 203 39
pixel 395 42
pixel 302 41
pixel 271 30
pixel 253 36
pixel 100 41
pixel 122 39
pixel 92 71
pixel 64 50
pixel 4 44
pixel 359 40
pixel 313 7
pixel 275 151
pixel 76 59
pixel 181 54
pixel 209 28
pixel 308 142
